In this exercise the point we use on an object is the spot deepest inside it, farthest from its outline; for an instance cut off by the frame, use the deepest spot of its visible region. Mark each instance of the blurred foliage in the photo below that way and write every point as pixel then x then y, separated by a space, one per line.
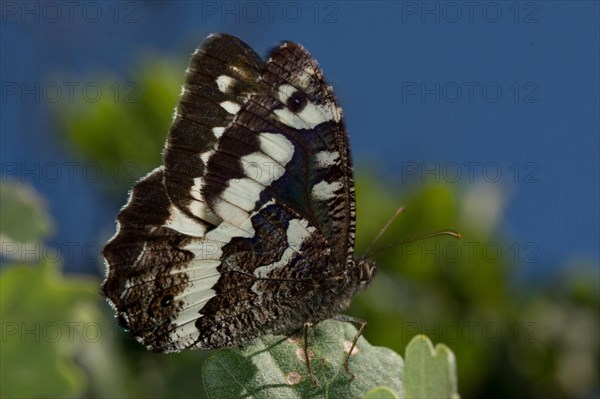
pixel 124 129
pixel 534 340
pixel 511 340
pixel 36 305
pixel 424 290
pixel 24 217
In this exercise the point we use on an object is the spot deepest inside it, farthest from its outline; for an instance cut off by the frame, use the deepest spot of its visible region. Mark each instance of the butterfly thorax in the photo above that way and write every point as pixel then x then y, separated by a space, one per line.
pixel 338 293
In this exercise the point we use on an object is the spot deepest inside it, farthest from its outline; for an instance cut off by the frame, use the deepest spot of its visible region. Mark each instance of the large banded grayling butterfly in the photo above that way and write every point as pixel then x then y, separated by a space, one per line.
pixel 248 227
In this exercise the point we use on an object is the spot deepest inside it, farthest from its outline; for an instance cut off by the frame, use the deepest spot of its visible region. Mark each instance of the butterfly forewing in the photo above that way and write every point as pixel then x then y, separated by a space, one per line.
pixel 219 77
pixel 288 142
pixel 248 228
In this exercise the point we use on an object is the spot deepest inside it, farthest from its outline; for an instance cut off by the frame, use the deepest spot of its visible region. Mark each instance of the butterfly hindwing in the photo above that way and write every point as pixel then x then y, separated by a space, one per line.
pixel 264 276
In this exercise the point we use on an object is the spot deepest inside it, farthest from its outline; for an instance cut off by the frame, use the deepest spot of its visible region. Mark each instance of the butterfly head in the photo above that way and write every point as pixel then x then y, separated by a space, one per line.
pixel 366 267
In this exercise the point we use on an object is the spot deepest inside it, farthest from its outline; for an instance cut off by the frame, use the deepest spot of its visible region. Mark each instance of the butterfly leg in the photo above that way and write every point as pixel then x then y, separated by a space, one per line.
pixel 307 357
pixel 363 324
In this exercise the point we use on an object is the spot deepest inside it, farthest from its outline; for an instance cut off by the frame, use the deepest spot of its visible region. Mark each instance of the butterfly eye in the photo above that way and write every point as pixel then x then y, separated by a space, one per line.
pixel 297 101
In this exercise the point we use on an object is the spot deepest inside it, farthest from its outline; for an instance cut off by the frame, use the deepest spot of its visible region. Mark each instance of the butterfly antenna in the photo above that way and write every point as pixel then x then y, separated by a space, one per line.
pixel 451 233
pixel 385 227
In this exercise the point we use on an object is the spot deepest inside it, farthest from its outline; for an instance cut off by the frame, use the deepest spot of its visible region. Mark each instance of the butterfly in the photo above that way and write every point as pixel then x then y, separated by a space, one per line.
pixel 248 227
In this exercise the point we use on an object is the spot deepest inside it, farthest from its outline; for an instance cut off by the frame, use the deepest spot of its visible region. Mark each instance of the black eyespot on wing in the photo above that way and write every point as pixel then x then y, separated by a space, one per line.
pixel 297 101
pixel 166 300
pixel 122 320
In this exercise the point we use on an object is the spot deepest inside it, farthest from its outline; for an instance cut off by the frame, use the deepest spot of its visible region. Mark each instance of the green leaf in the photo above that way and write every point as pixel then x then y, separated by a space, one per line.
pixel 381 393
pixel 272 367
pixel 24 217
pixel 40 325
pixel 429 373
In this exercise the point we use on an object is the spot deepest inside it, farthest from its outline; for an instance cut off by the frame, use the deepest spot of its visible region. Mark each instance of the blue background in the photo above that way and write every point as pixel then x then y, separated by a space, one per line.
pixel 384 60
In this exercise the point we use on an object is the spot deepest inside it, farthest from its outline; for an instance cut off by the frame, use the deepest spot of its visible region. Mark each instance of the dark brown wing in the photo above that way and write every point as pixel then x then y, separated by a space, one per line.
pixel 252 213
